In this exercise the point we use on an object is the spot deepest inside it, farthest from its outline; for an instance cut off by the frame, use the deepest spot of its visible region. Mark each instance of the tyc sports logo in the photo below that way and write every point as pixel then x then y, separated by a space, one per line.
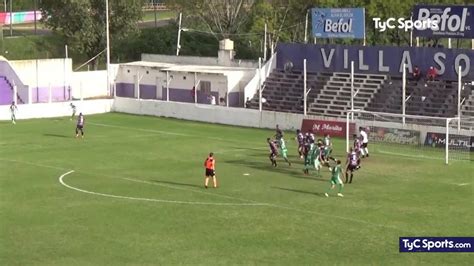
pixel 436 244
pixel 435 19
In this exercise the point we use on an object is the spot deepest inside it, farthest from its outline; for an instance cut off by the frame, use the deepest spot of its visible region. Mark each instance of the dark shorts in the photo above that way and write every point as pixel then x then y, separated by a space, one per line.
pixel 351 167
pixel 80 126
pixel 210 172
pixel 364 145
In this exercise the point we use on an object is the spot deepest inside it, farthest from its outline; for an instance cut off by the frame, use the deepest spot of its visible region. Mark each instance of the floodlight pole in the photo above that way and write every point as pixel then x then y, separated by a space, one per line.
pixel 411 34
pixel 260 84
pixel 306 28
pixel 404 83
pixel 352 89
pixel 365 37
pixel 304 87
pixel 11 18
pixel 265 44
pixel 178 44
pixel 459 98
pixel 108 44
pixel 35 7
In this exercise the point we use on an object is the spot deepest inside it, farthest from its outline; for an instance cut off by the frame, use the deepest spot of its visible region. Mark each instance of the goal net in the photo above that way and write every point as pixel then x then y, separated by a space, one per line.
pixel 412 136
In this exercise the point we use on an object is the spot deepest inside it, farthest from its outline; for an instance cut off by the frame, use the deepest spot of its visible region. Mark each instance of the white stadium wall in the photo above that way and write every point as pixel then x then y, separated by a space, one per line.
pixel 88 84
pixel 211 114
pixel 44 72
pixel 59 109
pixel 55 73
pixel 245 117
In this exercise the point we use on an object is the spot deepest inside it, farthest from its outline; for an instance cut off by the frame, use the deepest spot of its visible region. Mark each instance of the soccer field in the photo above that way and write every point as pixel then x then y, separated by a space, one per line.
pixel 136 196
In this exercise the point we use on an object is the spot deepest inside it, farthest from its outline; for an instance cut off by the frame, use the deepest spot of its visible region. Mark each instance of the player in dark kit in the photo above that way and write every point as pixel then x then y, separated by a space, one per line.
pixel 80 125
pixel 300 139
pixel 273 152
pixel 352 164
pixel 308 162
pixel 357 144
pixel 278 133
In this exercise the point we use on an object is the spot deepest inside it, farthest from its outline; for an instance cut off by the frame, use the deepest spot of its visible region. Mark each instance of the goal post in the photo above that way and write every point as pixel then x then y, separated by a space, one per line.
pixel 437 138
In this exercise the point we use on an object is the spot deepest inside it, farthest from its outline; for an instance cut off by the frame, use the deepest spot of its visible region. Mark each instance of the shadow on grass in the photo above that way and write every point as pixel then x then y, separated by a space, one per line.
pixel 295 171
pixel 56 135
pixel 176 183
pixel 299 191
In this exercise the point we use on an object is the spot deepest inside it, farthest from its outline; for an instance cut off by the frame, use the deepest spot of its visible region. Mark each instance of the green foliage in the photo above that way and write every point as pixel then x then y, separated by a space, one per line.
pixel 163 41
pixel 82 22
pixel 222 17
pixel 19 5
pixel 285 21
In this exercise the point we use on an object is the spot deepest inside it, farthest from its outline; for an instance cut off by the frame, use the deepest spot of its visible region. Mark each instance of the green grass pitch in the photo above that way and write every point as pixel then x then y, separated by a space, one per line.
pixel 150 206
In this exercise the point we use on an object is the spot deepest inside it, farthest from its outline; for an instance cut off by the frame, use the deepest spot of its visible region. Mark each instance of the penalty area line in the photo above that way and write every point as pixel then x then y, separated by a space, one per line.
pixel 61 180
pixel 253 203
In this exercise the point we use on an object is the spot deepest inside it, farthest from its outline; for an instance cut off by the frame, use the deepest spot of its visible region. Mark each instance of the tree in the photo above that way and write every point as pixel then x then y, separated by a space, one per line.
pixel 82 22
pixel 222 17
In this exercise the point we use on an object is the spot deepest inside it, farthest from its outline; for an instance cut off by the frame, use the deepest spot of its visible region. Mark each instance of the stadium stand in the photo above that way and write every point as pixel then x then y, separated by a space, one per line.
pixel 330 95
pixel 434 98
pixel 335 97
pixel 6 92
pixel 467 107
pixel 283 91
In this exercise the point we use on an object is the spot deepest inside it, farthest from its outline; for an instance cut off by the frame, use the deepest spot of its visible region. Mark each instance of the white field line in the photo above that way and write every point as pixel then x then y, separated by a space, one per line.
pixel 61 180
pixel 143 130
pixel 235 204
pixel 185 189
pixel 463 184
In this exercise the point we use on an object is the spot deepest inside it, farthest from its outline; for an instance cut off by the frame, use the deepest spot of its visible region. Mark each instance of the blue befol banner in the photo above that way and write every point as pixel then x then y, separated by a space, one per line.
pixel 452 21
pixel 338 22
pixel 436 244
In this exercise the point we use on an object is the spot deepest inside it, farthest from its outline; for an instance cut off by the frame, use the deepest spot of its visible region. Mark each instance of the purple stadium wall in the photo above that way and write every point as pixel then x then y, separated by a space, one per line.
pixel 176 94
pixel 376 59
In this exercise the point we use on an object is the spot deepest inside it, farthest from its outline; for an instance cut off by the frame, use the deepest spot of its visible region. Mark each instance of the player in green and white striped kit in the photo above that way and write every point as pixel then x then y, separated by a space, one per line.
pixel 336 173
pixel 315 157
pixel 13 110
pixel 283 150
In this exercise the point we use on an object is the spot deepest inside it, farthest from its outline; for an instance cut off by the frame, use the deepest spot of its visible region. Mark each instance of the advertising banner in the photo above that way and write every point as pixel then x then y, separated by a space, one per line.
pixel 452 21
pixel 455 141
pixel 322 127
pixel 338 22
pixel 436 244
pixel 383 60
pixel 392 135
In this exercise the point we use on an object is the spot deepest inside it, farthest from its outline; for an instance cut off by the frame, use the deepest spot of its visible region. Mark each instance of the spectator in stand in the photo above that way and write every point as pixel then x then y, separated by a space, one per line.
pixel 212 99
pixel 193 93
pixel 416 73
pixel 247 103
pixel 432 74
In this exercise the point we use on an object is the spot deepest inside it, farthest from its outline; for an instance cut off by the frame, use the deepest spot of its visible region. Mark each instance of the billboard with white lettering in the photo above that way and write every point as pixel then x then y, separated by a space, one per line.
pixel 338 22
pixel 384 60
pixel 452 21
